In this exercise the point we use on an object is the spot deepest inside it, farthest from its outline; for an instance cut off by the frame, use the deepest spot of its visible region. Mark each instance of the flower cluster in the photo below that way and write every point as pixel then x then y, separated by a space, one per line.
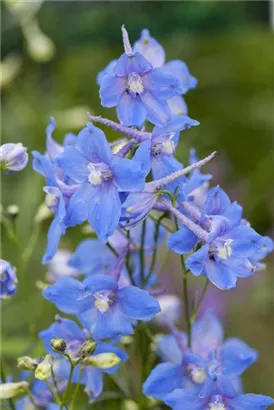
pixel 133 195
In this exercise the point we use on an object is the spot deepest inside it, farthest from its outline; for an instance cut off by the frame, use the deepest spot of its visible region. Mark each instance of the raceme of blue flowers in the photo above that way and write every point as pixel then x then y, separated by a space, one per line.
pixel 132 196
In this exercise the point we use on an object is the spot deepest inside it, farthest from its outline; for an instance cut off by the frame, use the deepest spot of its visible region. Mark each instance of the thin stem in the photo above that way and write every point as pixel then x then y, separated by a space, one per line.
pixel 125 149
pixel 154 255
pixel 56 398
pixel 26 255
pixel 141 253
pixel 66 394
pixel 76 390
pixel 112 249
pixel 165 226
pixel 197 307
pixel 185 296
pixel 126 42
pixel 30 396
pixel 127 260
pixel 55 381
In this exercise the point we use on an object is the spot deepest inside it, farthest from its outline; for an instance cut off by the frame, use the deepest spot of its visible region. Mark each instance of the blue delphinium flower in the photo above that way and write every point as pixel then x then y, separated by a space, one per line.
pixel 103 308
pixel 138 90
pixel 8 280
pixel 209 358
pixel 224 399
pixel 13 157
pixel 59 187
pixel 101 176
pixel 74 336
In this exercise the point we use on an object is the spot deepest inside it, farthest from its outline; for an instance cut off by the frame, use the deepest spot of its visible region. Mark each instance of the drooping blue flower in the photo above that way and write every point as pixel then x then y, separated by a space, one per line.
pixel 8 280
pixel 59 187
pixel 68 330
pixel 101 176
pixel 13 157
pixel 138 90
pixel 223 400
pixel 103 308
pixel 209 358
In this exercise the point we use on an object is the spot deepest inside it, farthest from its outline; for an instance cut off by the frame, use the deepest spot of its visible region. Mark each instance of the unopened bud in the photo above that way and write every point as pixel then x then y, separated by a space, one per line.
pixel 26 363
pixel 43 370
pixel 13 211
pixel 42 214
pixel 103 360
pixel 9 390
pixel 58 345
pixel 87 348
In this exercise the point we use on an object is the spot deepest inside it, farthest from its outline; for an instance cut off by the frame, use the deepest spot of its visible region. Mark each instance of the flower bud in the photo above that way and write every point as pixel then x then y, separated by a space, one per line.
pixel 8 280
pixel 26 363
pixel 12 211
pixel 9 390
pixel 87 348
pixel 103 360
pixel 58 345
pixel 43 370
pixel 13 157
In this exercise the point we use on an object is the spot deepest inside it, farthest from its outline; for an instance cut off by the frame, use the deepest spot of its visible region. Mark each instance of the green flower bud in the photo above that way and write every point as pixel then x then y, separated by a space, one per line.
pixel 43 370
pixel 103 360
pixel 87 348
pixel 9 390
pixel 58 345
pixel 26 363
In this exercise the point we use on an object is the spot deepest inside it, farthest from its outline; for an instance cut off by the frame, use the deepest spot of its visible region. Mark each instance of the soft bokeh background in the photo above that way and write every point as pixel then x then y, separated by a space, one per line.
pixel 227 46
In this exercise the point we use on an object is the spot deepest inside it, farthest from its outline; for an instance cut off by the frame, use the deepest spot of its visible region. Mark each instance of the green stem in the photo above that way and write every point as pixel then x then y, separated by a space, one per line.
pixel 56 398
pixel 3 378
pixel 72 367
pixel 55 382
pixel 26 255
pixel 76 390
pixel 127 260
pixel 142 254
pixel 197 307
pixel 112 249
pixel 30 396
pixel 154 256
pixel 185 296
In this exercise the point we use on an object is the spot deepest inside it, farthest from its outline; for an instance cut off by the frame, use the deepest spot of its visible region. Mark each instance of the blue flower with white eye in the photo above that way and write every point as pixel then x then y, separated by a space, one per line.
pixel 59 187
pixel 68 330
pixel 224 399
pixel 210 358
pixel 104 309
pixel 8 280
pixel 101 176
pixel 138 90
pixel 13 157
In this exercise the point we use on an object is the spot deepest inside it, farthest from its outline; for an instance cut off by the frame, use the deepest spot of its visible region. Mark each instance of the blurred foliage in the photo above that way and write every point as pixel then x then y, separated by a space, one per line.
pixel 228 47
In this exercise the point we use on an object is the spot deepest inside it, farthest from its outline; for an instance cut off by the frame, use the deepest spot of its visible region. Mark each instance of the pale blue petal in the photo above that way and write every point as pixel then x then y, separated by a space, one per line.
pixel 177 105
pixel 131 111
pixel 181 399
pixel 135 63
pixel 143 156
pixel 182 241
pixel 127 175
pixel 161 84
pixel 157 111
pixel 111 90
pixel 77 211
pixel 96 283
pixel 217 202
pixel 236 357
pixel 137 303
pixel 150 49
pixel 250 402
pixel 220 275
pixel 196 261
pixel 93 144
pixel 75 164
pixel 180 70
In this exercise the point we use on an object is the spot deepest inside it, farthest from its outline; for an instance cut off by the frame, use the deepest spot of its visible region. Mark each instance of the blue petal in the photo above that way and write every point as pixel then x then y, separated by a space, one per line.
pixel 236 357
pixel 150 49
pixel 180 70
pixel 66 294
pixel 111 90
pixel 250 402
pixel 221 275
pixel 108 70
pixel 163 165
pixel 177 105
pixel 75 164
pixel 93 144
pixel 169 349
pixel 245 241
pixel 77 211
pixel 175 124
pixel 217 202
pixel 196 261
pixel 207 334
pixel 137 303
pixel 53 148
pixel 163 379
pixel 181 399
pixel 135 63
pixel 127 175
pixel 157 111
pixel 94 382
pixel 161 84
pixel 104 211
pixel 95 283
pixel 43 166
pixel 182 241
pixel 143 156
pixel 242 267
pixel 131 111
pixel 91 256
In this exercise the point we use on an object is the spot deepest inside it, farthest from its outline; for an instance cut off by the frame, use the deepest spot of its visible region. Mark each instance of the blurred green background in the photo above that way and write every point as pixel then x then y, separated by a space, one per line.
pixel 228 46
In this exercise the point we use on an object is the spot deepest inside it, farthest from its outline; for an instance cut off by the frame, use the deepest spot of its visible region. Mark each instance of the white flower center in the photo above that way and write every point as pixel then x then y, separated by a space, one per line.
pixel 197 374
pixel 216 406
pixel 99 173
pixel 225 251
pixel 94 176
pixel 168 147
pixel 103 301
pixel 135 84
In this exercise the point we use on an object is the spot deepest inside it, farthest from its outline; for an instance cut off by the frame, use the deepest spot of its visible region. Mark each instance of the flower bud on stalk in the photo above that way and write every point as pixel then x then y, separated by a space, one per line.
pixel 27 363
pixel 58 345
pixel 9 390
pixel 103 360
pixel 43 370
pixel 87 348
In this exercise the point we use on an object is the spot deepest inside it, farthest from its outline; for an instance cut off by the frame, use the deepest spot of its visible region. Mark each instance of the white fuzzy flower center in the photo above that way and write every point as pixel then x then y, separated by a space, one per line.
pixel 225 251
pixel 197 374
pixel 103 301
pixel 135 83
pixel 99 173
pixel 216 406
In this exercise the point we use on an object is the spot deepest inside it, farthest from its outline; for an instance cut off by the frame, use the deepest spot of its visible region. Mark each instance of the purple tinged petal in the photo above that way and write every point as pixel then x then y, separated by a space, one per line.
pixel 162 84
pixel 135 63
pixel 93 144
pixel 177 105
pixel 182 241
pixel 217 202
pixel 183 399
pixel 96 283
pixel 143 156
pixel 180 70
pixel 157 111
pixel 236 357
pixel 196 262
pixel 169 349
pixel 127 175
pixel 220 275
pixel 131 111
pixel 77 211
pixel 245 241
pixel 75 164
pixel 111 90
pixel 207 334
pixel 150 49
pixel 108 70
pixel 94 382
pixel 104 211
pixel 53 148
pixel 175 124
pixel 163 379
pixel 250 402
pixel 137 303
